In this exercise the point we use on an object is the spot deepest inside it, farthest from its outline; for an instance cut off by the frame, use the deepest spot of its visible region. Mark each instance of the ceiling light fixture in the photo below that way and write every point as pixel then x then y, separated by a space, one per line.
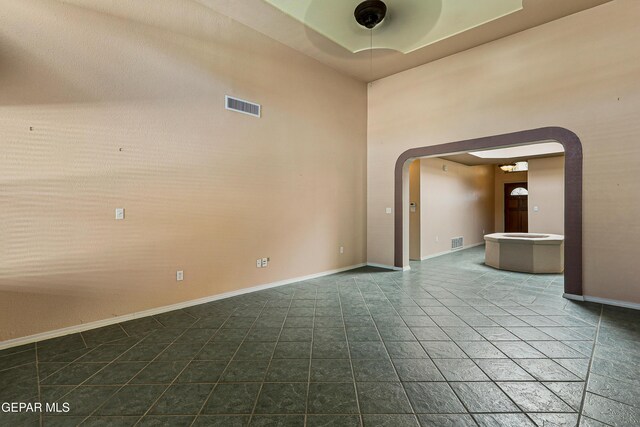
pixel 515 167
pixel 370 13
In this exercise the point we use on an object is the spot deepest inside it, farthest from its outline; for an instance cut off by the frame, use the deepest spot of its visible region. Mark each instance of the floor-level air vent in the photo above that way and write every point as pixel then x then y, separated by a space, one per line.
pixel 457 243
pixel 242 106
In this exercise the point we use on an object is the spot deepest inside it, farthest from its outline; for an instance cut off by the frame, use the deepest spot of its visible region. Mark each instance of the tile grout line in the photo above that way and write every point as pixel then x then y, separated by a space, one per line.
pixel 76 360
pixel 464 405
pixel 313 325
pixel 266 372
pixel 143 368
pixel 346 337
pixel 472 359
pixel 38 379
pixel 204 402
pixel 121 386
pixel 196 320
pixel 399 289
pixel 385 345
pixel 586 380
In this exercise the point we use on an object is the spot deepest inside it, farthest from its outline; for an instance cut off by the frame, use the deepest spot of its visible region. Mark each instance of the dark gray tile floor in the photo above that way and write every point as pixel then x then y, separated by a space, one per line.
pixel 449 343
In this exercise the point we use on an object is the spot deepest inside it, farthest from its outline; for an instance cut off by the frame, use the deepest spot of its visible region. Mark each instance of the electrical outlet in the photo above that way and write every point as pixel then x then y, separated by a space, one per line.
pixel 341 249
pixel 119 213
pixel 265 262
pixel 259 263
pixel 179 275
pixel 388 210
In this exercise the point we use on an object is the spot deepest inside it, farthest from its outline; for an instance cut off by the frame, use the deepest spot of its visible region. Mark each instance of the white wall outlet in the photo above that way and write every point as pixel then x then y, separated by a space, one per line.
pixel 259 263
pixel 388 210
pixel 536 208
pixel 341 249
pixel 179 275
pixel 265 262
pixel 119 213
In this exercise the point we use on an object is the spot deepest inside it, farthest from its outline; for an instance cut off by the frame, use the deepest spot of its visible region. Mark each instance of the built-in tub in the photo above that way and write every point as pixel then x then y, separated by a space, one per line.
pixel 525 252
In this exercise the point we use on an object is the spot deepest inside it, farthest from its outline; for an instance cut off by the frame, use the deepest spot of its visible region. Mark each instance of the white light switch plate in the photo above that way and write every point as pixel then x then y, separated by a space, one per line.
pixel 119 213
pixel 388 210
pixel 259 263
pixel 179 275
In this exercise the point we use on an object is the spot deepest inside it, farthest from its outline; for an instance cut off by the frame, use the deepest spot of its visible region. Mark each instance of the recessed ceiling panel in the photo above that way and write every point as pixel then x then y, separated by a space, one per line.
pixel 408 26
pixel 523 151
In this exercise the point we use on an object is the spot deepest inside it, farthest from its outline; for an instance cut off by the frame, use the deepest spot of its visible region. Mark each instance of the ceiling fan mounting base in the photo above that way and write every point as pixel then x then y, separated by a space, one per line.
pixel 370 13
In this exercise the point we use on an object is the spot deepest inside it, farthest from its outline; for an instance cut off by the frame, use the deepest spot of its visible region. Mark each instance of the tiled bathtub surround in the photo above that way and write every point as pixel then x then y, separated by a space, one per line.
pixel 451 342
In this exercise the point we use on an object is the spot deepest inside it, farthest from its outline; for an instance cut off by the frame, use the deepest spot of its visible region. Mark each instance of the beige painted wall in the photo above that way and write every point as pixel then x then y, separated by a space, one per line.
pixel 414 216
pixel 456 202
pixel 501 179
pixel 126 104
pixel 546 192
pixel 576 73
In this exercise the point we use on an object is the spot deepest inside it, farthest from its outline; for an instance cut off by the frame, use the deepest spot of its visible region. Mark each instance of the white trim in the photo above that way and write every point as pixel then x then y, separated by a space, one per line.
pixel 451 251
pixel 573 297
pixel 15 342
pixel 388 267
pixel 606 301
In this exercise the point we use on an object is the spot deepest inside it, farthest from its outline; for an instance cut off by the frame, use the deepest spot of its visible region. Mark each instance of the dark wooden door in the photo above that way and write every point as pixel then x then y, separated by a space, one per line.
pixel 516 216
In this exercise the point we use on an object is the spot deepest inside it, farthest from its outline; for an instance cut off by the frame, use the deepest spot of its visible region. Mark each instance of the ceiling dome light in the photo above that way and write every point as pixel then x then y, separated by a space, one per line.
pixel 508 168
pixel 370 13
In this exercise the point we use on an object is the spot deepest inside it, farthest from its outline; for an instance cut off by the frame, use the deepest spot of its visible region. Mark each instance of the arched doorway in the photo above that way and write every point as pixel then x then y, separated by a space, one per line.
pixel 572 201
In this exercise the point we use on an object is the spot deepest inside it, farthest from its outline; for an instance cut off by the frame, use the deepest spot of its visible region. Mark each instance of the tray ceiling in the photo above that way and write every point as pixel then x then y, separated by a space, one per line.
pixel 297 34
pixel 409 24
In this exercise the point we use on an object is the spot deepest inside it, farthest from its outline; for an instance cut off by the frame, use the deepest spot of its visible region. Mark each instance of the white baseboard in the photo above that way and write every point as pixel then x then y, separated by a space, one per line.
pixel 605 301
pixel 573 297
pixel 388 267
pixel 449 252
pixel 15 342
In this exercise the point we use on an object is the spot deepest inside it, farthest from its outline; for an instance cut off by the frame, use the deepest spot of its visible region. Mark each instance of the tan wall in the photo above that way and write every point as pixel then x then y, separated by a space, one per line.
pixel 414 216
pixel 456 202
pixel 126 104
pixel 501 179
pixel 546 192
pixel 576 73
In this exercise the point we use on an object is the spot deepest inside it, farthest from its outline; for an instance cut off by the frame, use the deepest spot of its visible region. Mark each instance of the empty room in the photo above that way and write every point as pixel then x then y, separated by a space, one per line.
pixel 319 213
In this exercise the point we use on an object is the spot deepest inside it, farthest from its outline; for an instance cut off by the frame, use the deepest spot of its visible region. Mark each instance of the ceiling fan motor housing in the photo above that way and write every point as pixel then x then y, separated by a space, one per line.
pixel 370 13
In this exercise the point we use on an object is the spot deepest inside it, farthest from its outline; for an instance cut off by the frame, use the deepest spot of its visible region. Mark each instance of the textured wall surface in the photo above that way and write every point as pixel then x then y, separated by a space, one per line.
pixel 457 202
pixel 546 192
pixel 575 73
pixel 121 104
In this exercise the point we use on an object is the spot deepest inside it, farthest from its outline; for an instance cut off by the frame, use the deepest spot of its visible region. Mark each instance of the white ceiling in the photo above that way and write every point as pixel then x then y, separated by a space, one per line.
pixel 508 155
pixel 522 151
pixel 409 24
pixel 273 22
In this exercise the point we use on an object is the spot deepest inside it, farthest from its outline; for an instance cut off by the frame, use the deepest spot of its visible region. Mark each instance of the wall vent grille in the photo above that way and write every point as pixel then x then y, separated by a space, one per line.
pixel 457 243
pixel 242 106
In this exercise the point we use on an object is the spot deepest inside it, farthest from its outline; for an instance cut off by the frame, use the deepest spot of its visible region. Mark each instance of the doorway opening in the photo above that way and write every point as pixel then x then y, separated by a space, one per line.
pixel 572 193
pixel 516 208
